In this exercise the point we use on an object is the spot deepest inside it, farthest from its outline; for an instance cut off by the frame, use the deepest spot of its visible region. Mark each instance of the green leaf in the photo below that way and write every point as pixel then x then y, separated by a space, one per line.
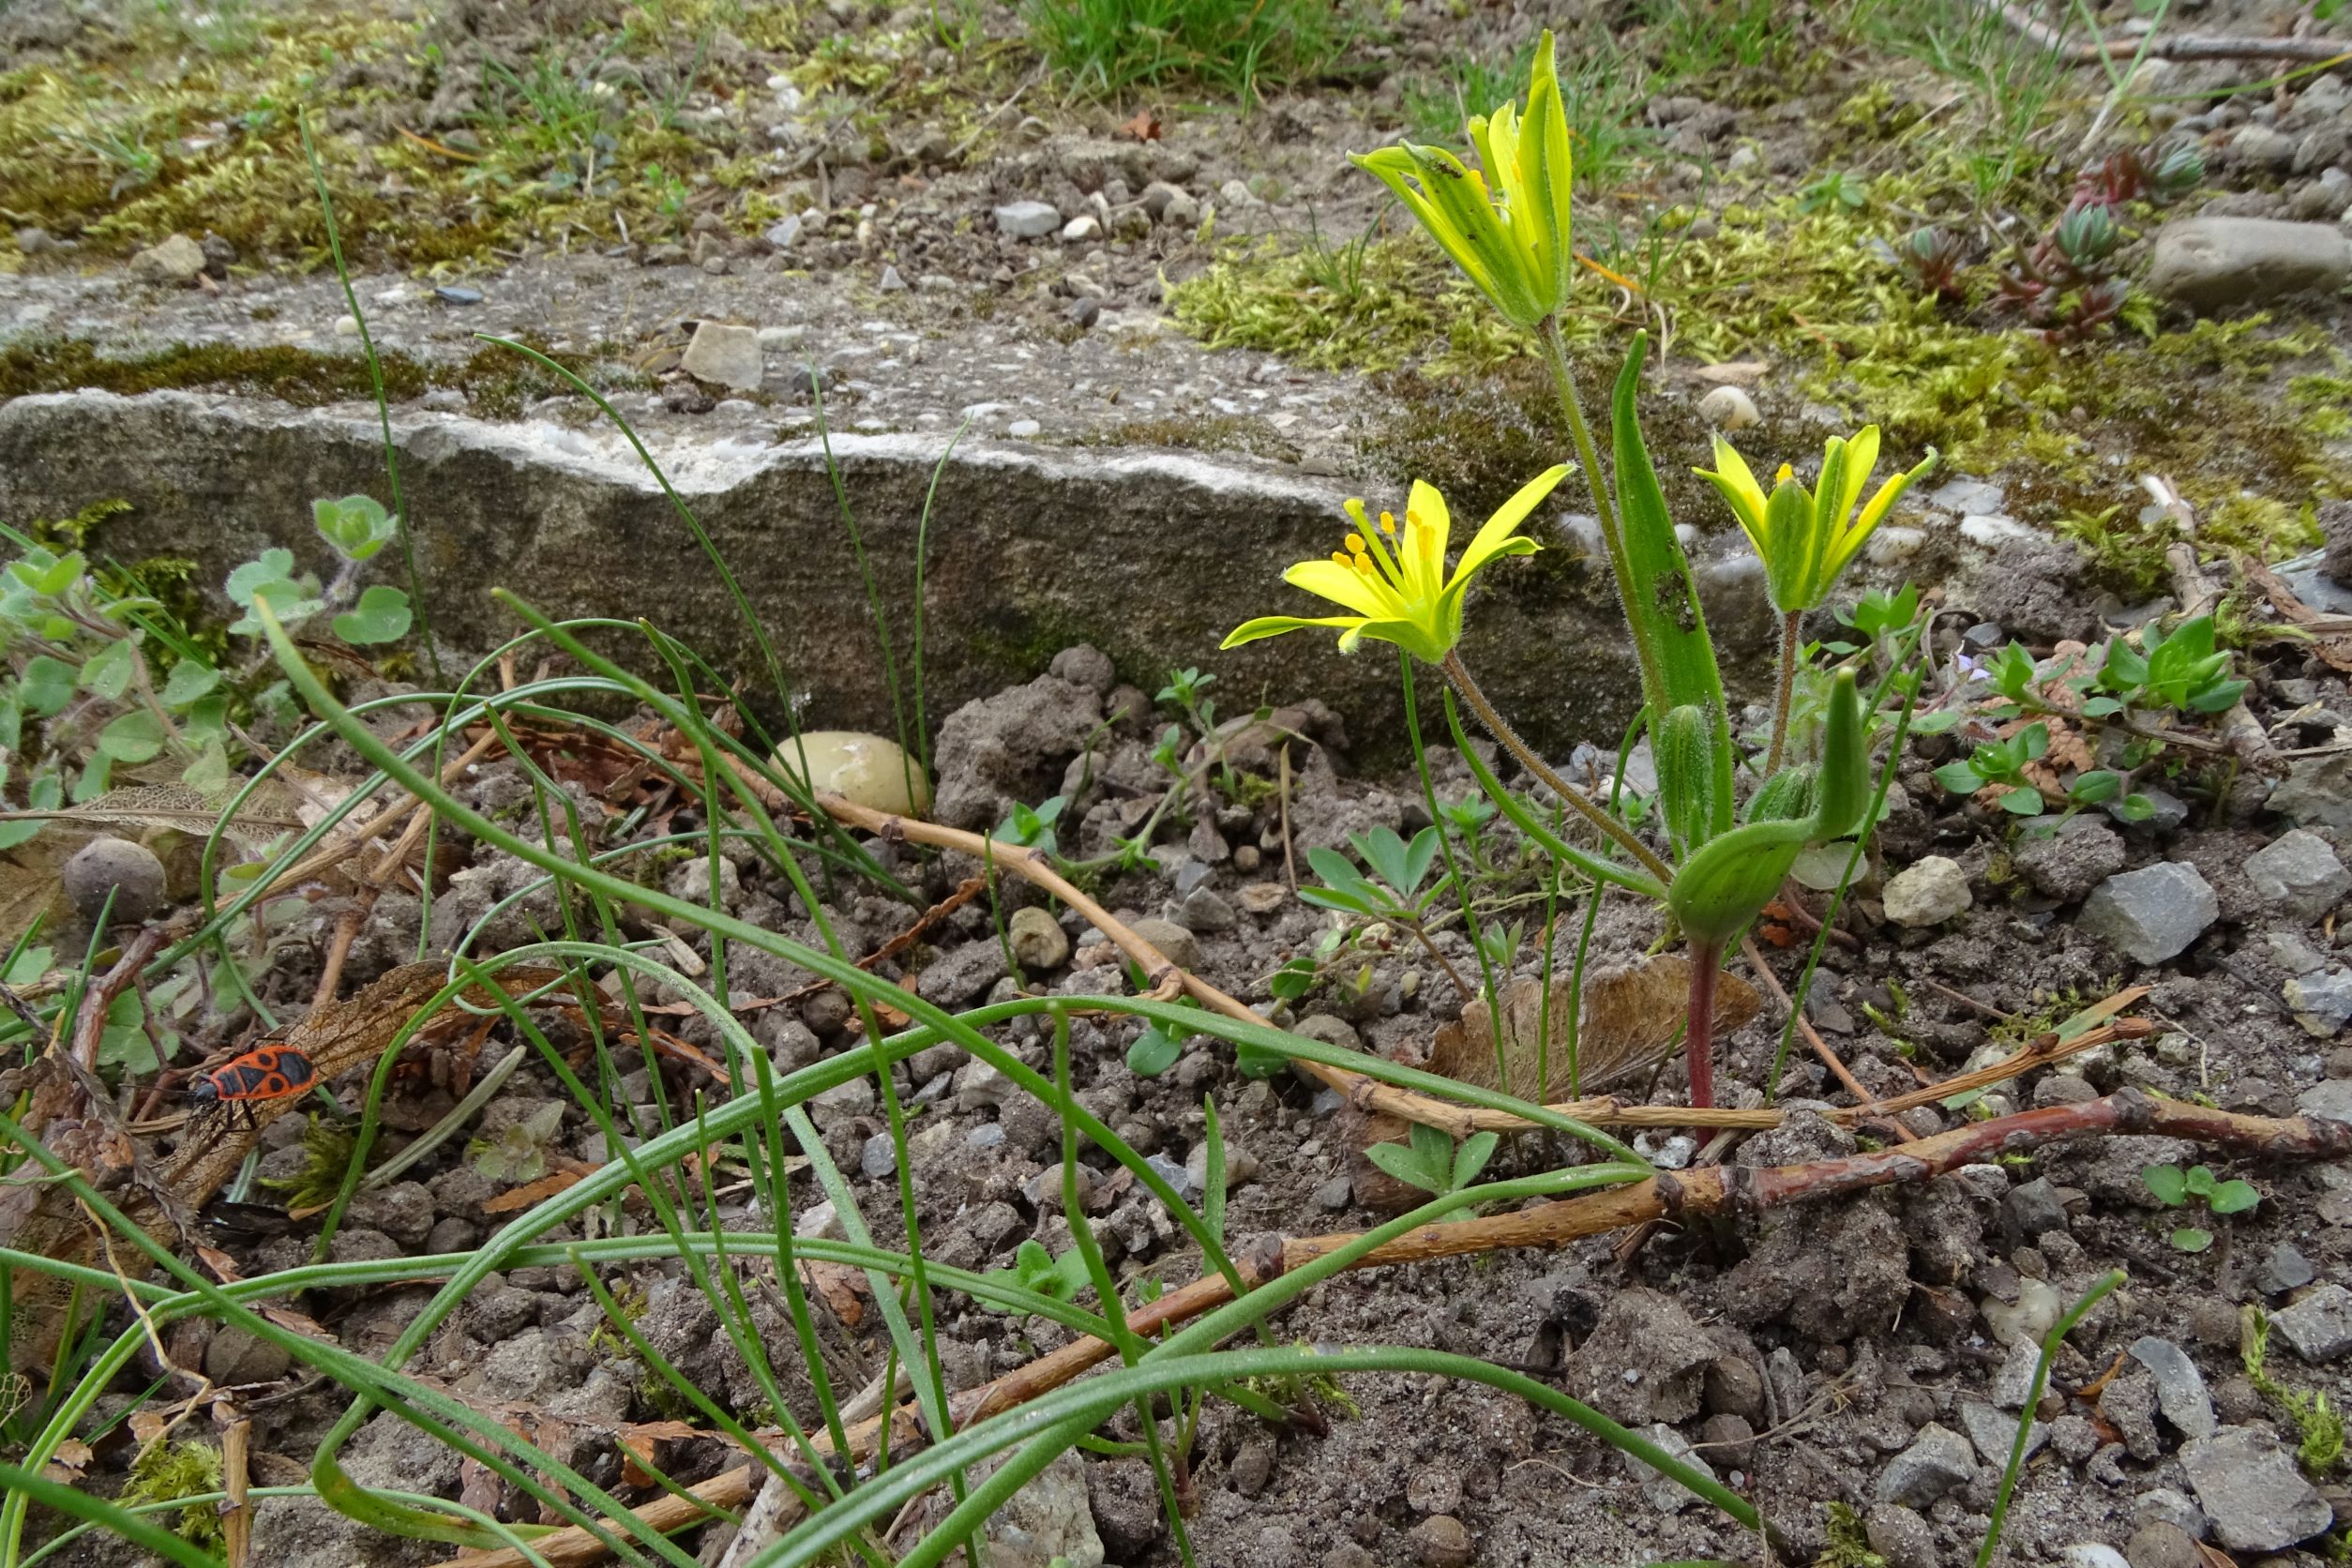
pixel 1152 1053
pixel 209 772
pixel 2190 1238
pixel 1293 980
pixel 2200 1180
pixel 2233 1197
pixel 133 738
pixel 1961 778
pixel 108 672
pixel 357 526
pixel 271 566
pixel 1660 601
pixel 1254 1060
pixel 2135 808
pixel 29 966
pixel 1384 852
pixel 1935 723
pixel 382 615
pixel 1471 1158
pixel 2098 785
pixel 1212 1169
pixel 47 686
pixel 2022 801
pixel 1405 1166
pixel 190 678
pixel 2168 1183
pixel 290 602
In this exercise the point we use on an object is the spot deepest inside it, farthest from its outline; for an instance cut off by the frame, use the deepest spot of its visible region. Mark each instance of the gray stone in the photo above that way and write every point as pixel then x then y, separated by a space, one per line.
pixel 2321 1001
pixel 2167 812
pixel 1995 1432
pixel 1928 893
pixel 2032 1209
pixel 2153 913
pixel 1206 913
pixel 2014 1379
pixel 725 355
pixel 2249 1488
pixel 878 1157
pixel 1176 944
pixel 1026 219
pixel 2180 1386
pixel 957 977
pixel 1666 1495
pixel 1645 1361
pixel 2317 792
pixel 1900 1536
pixel 211 477
pixel 2071 862
pixel 2319 1326
pixel 1049 1521
pixel 116 878
pixel 1038 941
pixel 2167 1506
pixel 1335 1193
pixel 2284 1269
pixel 1937 1460
pixel 2163 1546
pixel 1008 748
pixel 2210 263
pixel 174 260
pixel 234 1357
pixel 2300 874
pixel 2129 1403
pixel 2330 1100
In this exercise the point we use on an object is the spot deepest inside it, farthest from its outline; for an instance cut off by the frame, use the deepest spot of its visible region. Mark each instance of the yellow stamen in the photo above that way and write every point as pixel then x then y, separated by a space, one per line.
pixel 1786 473
pixel 1341 557
pixel 1388 523
pixel 1355 544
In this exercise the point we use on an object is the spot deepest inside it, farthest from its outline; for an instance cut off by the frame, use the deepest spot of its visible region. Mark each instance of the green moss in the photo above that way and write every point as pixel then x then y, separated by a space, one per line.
pixel 163 1470
pixel 327 1150
pixel 498 380
pixel 2127 554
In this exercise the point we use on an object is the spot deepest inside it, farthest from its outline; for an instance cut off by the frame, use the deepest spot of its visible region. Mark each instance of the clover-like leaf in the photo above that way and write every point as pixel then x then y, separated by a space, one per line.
pixel 2233 1197
pixel 2190 1238
pixel 2168 1183
pixel 382 615
pixel 133 738
pixel 357 526
pixel 47 686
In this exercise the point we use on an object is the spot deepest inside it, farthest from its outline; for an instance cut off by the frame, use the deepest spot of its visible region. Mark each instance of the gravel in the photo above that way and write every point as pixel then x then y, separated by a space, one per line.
pixel 2153 913
pixel 2247 1485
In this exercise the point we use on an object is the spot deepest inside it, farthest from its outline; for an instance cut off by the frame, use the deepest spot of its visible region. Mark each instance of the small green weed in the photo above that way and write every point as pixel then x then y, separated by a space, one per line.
pixel 2319 1423
pixel 165 1470
pixel 2174 1187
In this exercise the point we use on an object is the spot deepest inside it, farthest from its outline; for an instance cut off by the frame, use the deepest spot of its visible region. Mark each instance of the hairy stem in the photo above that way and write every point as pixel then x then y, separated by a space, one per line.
pixel 1698 1039
pixel 1577 801
pixel 1786 694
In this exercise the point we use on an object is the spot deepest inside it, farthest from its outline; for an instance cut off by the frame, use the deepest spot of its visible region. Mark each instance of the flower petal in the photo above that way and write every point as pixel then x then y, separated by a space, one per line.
pixel 1547 162
pixel 1862 456
pixel 1496 533
pixel 1275 626
pixel 1398 168
pixel 1345 586
pixel 1423 552
pixel 1415 639
pixel 1873 514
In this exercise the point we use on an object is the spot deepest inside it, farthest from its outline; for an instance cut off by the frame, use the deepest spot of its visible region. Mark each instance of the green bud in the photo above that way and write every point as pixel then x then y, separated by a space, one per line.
pixel 1684 744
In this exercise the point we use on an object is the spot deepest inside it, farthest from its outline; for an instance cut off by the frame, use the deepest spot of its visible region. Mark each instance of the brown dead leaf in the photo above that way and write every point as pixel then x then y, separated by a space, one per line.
pixel 481 1489
pixel 843 1289
pixel 146 1426
pixel 1734 372
pixel 73 1457
pixel 529 1193
pixel 1144 127
pixel 1632 1018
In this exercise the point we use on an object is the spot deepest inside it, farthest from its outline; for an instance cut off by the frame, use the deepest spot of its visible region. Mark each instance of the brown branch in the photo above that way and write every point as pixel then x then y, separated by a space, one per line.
pixel 2186 46
pixel 99 997
pixel 1727 1190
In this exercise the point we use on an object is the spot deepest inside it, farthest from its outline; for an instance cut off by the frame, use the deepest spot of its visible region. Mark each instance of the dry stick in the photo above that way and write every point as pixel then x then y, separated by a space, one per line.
pixel 1370 1093
pixel 362 905
pixel 1725 1190
pixel 236 1518
pixel 358 836
pixel 1813 1037
pixel 97 998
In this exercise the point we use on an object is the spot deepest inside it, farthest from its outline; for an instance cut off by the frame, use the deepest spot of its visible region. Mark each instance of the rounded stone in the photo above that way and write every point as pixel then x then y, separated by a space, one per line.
pixel 865 770
pixel 1037 939
pixel 1442 1540
pixel 1727 408
pixel 128 873
pixel 1928 891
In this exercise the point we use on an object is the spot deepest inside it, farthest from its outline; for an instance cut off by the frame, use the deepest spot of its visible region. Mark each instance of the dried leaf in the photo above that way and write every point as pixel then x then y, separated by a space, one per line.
pixel 532 1192
pixel 1632 1017
pixel 481 1489
pixel 1734 372
pixel 1144 127
pixel 179 808
pixel 843 1289
pixel 73 1457
pixel 146 1426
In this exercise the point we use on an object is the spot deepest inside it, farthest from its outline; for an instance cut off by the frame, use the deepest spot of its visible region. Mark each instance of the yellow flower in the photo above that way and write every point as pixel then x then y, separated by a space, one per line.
pixel 1806 537
pixel 1506 225
pixel 1391 576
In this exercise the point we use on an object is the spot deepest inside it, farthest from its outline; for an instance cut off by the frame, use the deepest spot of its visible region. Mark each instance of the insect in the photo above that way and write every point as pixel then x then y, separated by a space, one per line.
pixel 267 1072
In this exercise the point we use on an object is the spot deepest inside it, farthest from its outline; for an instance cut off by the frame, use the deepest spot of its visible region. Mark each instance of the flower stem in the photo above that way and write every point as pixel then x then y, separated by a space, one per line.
pixel 1698 1039
pixel 1789 647
pixel 1588 454
pixel 1577 801
pixel 1461 888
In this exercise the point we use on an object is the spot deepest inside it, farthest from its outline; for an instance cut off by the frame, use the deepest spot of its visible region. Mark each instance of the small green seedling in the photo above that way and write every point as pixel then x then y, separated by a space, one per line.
pixel 1432 1163
pixel 1401 868
pixel 1158 1048
pixel 1032 827
pixel 1035 1269
pixel 2174 1187
pixel 2002 764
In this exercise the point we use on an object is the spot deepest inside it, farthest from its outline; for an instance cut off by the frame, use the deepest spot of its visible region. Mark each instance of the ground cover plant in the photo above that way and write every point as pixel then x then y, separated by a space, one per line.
pixel 534 1105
